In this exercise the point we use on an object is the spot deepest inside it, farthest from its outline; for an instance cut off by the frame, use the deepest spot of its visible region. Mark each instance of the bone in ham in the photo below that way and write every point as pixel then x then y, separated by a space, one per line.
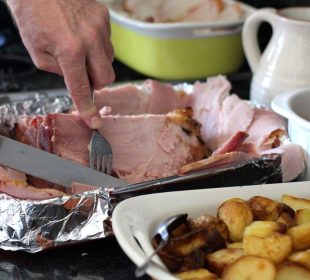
pixel 156 143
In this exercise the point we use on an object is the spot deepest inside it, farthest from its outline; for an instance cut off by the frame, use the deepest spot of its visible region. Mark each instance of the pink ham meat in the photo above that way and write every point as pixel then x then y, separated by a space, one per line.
pixel 124 100
pixel 151 97
pixel 293 160
pixel 265 125
pixel 234 143
pixel 166 143
pixel 235 115
pixel 14 183
pixel 20 189
pixel 207 99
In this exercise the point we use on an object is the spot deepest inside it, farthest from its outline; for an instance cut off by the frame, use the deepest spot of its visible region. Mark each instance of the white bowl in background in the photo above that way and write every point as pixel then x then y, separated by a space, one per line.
pixel 295 107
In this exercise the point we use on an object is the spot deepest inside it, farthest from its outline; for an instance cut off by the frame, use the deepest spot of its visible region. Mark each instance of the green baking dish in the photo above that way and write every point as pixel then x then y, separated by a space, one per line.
pixel 178 51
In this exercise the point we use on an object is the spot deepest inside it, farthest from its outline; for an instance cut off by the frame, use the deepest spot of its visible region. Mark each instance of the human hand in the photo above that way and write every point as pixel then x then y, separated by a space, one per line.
pixel 70 38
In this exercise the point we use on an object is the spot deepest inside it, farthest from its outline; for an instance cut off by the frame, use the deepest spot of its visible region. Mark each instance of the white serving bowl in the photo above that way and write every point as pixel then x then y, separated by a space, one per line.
pixel 295 107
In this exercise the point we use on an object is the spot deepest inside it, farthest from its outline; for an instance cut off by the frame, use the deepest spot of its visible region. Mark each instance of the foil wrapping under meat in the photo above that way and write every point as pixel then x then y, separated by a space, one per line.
pixel 33 226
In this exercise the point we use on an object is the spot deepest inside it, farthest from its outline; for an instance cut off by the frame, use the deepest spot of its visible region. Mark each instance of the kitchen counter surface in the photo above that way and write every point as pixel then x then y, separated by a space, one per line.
pixel 101 259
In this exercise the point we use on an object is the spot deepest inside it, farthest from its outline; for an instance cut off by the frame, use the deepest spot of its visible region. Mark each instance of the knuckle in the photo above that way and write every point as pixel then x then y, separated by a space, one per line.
pixel 80 90
pixel 42 65
pixel 73 49
pixel 108 77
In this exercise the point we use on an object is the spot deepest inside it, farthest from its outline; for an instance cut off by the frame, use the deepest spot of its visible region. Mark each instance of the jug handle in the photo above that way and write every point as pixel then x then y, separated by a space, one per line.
pixel 249 34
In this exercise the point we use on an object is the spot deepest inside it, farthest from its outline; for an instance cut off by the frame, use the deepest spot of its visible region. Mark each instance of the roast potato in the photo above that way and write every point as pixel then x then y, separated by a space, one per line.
pixel 209 222
pixel 250 267
pixel 302 258
pixel 221 259
pixel 264 228
pixel 237 245
pixel 292 271
pixel 300 236
pixel 295 202
pixel 302 216
pixel 198 274
pixel 236 214
pixel 274 248
pixel 264 209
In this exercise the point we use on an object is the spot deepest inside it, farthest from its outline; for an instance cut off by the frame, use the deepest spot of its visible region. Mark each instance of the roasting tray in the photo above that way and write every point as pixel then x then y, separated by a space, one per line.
pixel 33 226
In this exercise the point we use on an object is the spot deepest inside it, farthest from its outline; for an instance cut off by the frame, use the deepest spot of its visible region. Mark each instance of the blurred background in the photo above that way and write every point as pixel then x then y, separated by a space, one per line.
pixel 17 72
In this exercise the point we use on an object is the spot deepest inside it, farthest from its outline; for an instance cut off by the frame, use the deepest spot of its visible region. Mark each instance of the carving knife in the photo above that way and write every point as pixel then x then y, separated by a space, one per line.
pixel 50 167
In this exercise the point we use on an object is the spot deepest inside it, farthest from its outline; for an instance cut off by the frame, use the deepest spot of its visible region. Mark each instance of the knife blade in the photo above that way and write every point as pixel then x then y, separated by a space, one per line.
pixel 47 166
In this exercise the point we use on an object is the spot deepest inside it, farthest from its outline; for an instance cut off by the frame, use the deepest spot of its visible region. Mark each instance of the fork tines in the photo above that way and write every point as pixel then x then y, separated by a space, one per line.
pixel 100 154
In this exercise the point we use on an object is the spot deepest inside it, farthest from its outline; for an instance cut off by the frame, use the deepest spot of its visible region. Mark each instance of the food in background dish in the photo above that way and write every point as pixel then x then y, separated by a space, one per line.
pixel 180 10
pixel 258 238
pixel 154 134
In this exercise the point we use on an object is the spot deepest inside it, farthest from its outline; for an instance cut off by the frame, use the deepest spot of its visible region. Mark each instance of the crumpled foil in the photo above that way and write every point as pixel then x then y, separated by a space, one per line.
pixel 33 226
pixel 39 104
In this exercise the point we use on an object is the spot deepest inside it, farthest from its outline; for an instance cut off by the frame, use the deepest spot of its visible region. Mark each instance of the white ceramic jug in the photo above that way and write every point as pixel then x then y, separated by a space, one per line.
pixel 285 63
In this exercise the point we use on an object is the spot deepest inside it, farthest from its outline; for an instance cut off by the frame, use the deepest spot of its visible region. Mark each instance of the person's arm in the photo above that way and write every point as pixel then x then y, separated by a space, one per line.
pixel 69 38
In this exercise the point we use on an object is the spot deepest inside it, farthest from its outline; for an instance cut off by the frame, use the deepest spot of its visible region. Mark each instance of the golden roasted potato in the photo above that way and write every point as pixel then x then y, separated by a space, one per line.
pixel 264 228
pixel 209 222
pixel 301 258
pixel 250 267
pixel 236 245
pixel 287 220
pixel 300 236
pixel 295 202
pixel 198 274
pixel 302 216
pixel 292 271
pixel 182 246
pixel 264 209
pixel 274 248
pixel 220 259
pixel 236 214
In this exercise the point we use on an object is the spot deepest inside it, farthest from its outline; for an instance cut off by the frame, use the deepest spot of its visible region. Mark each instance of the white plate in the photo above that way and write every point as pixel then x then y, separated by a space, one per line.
pixel 138 216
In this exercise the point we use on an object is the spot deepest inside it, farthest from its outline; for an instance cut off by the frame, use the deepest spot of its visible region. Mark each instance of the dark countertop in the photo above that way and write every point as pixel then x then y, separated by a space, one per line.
pixel 101 259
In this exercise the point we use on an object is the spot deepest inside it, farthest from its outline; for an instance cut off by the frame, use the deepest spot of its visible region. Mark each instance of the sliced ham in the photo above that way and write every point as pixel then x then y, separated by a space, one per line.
pixel 20 189
pixel 151 97
pixel 265 124
pixel 235 115
pixel 154 143
pixel 8 173
pixel 163 98
pixel 125 99
pixel 234 143
pixel 70 137
pixel 207 99
pixel 293 160
pixel 217 161
pixel 144 147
